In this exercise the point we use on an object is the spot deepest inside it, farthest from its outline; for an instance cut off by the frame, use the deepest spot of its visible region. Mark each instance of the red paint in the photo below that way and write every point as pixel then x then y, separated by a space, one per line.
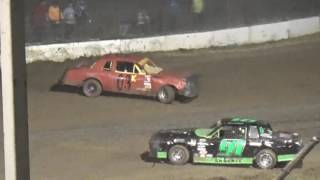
pixel 122 82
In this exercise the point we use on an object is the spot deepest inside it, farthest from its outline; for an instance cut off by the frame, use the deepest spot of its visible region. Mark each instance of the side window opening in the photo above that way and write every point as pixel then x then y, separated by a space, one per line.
pixel 140 69
pixel 253 132
pixel 233 132
pixel 125 67
pixel 108 66
pixel 216 134
pixel 265 130
pixel 136 69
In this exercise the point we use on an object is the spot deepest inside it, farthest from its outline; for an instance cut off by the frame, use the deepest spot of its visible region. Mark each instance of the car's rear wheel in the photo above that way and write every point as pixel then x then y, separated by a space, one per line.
pixel 178 155
pixel 266 159
pixel 91 88
pixel 166 95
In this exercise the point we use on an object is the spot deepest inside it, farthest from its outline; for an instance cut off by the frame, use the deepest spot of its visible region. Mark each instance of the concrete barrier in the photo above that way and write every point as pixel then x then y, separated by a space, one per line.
pixel 300 27
pixel 268 32
pixel 236 36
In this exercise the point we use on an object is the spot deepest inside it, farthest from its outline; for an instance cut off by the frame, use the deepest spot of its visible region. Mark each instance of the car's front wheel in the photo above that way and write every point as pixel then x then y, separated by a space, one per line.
pixel 178 155
pixel 166 95
pixel 91 88
pixel 266 159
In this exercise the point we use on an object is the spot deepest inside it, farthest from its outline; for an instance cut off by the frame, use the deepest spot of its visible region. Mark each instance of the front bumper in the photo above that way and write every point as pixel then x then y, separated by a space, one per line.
pixel 191 89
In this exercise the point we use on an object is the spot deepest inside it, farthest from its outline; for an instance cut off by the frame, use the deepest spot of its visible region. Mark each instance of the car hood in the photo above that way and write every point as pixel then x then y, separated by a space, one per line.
pixel 285 136
pixel 177 75
pixel 173 133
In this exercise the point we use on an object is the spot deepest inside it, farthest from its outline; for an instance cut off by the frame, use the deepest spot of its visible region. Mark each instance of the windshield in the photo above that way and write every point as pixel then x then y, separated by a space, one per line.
pixel 213 126
pixel 216 125
pixel 149 67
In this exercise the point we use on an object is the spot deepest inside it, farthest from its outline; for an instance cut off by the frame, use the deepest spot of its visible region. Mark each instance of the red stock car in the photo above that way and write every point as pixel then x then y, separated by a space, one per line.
pixel 130 75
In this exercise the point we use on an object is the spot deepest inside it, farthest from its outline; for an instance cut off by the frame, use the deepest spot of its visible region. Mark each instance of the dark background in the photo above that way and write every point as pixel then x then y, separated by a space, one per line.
pixel 107 15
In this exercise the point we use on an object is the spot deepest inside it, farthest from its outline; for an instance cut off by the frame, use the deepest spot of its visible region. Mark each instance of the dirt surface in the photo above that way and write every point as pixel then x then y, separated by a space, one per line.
pixel 73 137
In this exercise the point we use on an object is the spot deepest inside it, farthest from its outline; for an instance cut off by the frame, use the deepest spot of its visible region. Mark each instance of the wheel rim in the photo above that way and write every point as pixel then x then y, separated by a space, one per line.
pixel 265 160
pixel 177 155
pixel 91 88
pixel 163 95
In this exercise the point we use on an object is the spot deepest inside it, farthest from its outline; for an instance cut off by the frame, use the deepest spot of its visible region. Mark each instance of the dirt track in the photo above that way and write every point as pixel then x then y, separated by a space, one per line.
pixel 74 137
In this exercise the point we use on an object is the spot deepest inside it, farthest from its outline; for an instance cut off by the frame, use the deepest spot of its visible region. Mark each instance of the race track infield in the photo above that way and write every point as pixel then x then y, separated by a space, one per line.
pixel 73 137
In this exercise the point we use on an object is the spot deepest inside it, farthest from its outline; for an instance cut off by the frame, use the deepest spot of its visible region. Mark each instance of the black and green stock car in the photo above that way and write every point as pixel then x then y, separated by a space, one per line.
pixel 229 141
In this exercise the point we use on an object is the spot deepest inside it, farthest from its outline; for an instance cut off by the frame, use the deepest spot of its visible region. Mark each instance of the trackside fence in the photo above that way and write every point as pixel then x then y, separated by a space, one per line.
pixel 235 36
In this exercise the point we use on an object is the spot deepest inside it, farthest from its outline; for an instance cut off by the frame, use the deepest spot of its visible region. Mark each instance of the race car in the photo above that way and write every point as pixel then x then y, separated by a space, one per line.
pixel 229 141
pixel 130 74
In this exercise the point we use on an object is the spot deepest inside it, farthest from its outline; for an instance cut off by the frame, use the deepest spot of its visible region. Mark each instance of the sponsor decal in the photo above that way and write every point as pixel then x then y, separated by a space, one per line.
pixel 147 82
pixel 201 147
pixel 162 155
pixel 192 142
pixel 133 78
pixel 222 160
pixel 232 147
pixel 286 157
pixel 123 82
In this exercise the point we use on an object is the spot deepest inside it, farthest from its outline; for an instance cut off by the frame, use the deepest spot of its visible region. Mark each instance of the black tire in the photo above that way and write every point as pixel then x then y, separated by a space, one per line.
pixel 266 159
pixel 179 155
pixel 166 95
pixel 91 88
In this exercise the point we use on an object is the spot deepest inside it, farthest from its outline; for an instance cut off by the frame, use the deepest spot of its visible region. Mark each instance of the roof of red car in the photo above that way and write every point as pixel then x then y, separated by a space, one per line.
pixel 130 58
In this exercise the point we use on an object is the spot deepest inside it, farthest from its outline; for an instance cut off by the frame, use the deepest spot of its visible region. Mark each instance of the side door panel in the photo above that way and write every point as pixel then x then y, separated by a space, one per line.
pixel 232 147
pixel 121 76
pixel 122 82
pixel 141 82
pixel 106 78
pixel 206 146
pixel 254 142
pixel 227 148
pixel 106 75
pixel 233 141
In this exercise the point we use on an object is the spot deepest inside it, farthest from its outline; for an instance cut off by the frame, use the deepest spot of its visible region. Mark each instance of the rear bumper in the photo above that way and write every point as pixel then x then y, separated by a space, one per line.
pixel 65 80
pixel 156 155
pixel 61 80
pixel 155 149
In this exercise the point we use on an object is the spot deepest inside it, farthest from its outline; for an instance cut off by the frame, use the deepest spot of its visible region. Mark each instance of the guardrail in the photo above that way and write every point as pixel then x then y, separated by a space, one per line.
pixel 303 152
pixel 235 36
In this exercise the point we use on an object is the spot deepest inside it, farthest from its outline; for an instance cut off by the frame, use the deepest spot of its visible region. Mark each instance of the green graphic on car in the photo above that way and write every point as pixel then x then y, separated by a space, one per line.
pixel 228 141
pixel 206 132
pixel 231 147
